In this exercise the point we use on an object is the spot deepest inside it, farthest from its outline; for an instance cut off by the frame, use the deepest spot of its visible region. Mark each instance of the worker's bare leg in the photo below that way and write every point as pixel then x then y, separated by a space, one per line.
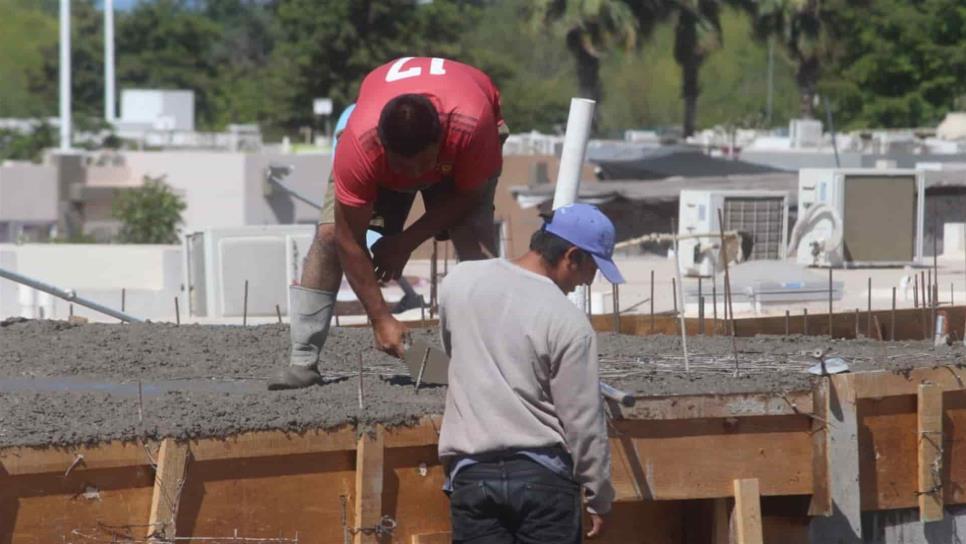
pixel 475 237
pixel 310 313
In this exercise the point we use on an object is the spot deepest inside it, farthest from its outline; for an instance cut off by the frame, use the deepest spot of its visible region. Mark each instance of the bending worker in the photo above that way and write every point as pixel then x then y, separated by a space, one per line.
pixel 524 429
pixel 425 125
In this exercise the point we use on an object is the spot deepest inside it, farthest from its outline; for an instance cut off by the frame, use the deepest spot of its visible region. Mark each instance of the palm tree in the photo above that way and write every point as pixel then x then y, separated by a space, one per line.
pixel 592 27
pixel 697 32
pixel 797 24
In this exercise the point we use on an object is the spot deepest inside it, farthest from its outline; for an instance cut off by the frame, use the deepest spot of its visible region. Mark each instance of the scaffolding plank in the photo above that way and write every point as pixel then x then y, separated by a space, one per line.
pixel 747 512
pixel 930 423
pixel 168 483
pixel 370 467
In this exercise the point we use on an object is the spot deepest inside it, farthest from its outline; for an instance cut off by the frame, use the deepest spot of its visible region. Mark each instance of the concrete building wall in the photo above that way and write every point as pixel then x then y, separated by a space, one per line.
pixel 28 193
pixel 212 183
pixel 309 176
pixel 149 274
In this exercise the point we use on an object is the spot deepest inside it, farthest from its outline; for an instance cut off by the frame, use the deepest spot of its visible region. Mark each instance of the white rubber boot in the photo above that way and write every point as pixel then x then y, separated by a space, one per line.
pixel 311 313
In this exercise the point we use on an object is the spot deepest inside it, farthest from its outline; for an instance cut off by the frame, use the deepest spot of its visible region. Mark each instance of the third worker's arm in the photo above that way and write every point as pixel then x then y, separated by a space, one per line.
pixel 392 252
pixel 576 393
pixel 350 234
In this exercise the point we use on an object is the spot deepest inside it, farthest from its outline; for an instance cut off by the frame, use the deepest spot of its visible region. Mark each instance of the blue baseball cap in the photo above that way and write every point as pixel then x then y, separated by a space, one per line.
pixel 586 227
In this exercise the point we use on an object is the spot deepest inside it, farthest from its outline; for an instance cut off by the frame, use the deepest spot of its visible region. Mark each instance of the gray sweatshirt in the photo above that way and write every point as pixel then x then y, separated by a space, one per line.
pixel 523 372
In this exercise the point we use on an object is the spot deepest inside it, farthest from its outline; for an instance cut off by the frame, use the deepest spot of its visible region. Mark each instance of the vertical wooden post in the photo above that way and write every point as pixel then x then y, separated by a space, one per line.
pixel 747 512
pixel 821 502
pixel 844 522
pixel 930 412
pixel 168 481
pixel 369 476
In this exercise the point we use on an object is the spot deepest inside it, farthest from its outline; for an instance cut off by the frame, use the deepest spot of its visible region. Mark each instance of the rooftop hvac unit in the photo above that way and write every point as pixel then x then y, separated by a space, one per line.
pixel 218 262
pixel 859 217
pixel 762 215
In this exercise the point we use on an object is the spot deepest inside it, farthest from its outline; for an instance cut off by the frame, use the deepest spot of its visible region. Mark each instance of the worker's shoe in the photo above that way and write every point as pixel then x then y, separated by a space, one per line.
pixel 311 312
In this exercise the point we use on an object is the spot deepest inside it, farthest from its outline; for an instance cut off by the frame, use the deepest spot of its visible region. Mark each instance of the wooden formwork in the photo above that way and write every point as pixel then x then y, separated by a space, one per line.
pixel 686 469
pixel 910 324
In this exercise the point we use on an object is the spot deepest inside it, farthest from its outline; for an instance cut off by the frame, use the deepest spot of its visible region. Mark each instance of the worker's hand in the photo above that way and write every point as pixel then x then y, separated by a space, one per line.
pixel 596 525
pixel 391 335
pixel 389 256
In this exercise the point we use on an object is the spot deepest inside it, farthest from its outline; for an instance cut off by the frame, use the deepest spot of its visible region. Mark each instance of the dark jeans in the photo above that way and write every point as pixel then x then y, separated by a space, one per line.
pixel 513 501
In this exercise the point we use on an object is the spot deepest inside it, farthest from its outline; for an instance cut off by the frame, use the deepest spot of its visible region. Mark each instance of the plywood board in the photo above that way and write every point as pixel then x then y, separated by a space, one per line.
pixel 413 492
pixel 42 508
pixel 677 465
pixel 270 497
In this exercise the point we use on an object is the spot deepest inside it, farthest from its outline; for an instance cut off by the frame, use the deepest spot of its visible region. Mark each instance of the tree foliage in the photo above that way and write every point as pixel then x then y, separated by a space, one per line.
pixel 149 214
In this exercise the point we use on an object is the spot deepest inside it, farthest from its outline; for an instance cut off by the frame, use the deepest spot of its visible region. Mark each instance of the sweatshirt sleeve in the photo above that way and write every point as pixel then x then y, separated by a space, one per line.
pixel 576 393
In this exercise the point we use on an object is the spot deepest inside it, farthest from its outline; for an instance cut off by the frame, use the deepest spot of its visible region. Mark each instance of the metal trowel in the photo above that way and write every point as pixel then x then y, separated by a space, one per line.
pixel 827 366
pixel 427 364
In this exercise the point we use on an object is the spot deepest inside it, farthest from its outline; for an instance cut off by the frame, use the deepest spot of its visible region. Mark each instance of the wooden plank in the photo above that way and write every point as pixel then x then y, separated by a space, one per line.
pixel 433 538
pixel 930 436
pixel 721 530
pixel 711 406
pixel 425 433
pixel 17 461
pixel 700 459
pixel 270 443
pixel 411 492
pixel 882 383
pixel 747 512
pixel 168 483
pixel 821 501
pixel 369 480
pixel 627 475
pixel 845 523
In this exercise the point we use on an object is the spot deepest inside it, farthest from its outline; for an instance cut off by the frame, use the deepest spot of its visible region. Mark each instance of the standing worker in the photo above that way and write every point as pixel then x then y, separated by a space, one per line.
pixel 524 428
pixel 427 125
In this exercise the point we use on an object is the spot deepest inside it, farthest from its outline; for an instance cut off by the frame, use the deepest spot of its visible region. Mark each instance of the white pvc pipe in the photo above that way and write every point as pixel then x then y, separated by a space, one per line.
pixel 579 122
pixel 65 120
pixel 109 61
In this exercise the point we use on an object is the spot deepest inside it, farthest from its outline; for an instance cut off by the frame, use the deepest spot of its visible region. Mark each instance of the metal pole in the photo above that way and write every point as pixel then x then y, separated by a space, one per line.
pixel 830 332
pixel 701 315
pixel 245 305
pixel 432 280
pixel 65 91
pixel 788 315
pixel 615 295
pixel 68 295
pixel 674 290
pixel 727 278
pixel 714 302
pixel 109 61
pixel 868 313
pixel 177 312
pixel 805 321
pixel 892 324
pixel 652 302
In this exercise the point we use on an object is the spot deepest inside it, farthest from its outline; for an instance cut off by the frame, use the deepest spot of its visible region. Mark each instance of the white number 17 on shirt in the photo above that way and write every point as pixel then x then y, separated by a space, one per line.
pixel 398 70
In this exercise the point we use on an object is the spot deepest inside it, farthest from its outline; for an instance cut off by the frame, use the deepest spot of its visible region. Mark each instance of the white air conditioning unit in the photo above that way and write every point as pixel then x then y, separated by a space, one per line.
pixel 761 214
pixel 218 262
pixel 859 217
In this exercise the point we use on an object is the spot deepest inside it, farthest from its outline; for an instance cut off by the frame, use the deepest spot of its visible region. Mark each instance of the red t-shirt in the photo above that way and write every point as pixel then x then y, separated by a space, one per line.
pixel 469 112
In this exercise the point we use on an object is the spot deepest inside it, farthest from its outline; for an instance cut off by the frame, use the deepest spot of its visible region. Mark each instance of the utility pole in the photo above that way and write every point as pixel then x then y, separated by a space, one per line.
pixel 771 81
pixel 109 101
pixel 65 120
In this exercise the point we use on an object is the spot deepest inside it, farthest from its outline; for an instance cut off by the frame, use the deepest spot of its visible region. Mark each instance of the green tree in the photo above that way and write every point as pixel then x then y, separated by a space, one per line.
pixel 797 25
pixel 26 147
pixel 325 49
pixel 896 63
pixel 697 32
pixel 149 214
pixel 30 31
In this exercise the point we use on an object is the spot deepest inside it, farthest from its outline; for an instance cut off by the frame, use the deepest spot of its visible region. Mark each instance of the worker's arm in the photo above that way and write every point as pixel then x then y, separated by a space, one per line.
pixel 350 238
pixel 575 390
pixel 391 253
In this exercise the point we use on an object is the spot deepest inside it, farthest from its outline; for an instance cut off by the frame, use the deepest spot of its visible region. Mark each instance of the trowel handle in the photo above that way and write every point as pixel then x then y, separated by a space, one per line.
pixel 617 395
